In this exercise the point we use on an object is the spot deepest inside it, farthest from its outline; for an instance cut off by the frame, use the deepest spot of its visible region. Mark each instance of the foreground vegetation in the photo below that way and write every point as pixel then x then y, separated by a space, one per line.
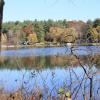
pixel 37 95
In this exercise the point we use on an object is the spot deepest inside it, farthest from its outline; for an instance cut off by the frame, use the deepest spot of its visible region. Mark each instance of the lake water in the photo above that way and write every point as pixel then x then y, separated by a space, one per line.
pixel 50 69
pixel 24 52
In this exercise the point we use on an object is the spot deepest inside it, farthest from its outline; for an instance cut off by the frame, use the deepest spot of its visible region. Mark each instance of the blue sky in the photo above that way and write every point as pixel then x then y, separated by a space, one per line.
pixel 51 9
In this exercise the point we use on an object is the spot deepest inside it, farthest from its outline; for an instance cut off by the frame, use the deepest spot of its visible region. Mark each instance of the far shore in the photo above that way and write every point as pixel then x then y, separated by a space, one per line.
pixel 41 45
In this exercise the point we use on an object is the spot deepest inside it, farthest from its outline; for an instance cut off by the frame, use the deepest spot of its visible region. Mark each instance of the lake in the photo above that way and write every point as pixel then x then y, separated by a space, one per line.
pixel 51 68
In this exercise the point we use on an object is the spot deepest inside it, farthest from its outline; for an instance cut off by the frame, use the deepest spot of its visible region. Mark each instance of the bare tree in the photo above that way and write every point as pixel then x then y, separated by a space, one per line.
pixel 1 17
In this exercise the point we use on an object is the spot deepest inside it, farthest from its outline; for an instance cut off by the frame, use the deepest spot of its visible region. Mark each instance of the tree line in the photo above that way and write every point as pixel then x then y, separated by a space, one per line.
pixel 59 31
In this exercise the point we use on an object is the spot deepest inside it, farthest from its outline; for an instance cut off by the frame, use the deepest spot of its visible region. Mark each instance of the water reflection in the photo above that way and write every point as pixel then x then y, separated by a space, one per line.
pixel 33 62
pixel 48 68
pixel 47 61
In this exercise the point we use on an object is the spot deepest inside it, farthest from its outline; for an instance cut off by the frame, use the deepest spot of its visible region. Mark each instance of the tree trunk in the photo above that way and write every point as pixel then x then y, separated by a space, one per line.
pixel 1 18
pixel 91 87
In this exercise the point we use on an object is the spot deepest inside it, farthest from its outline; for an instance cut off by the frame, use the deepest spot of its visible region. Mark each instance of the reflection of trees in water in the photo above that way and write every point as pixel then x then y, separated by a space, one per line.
pixel 81 83
pixel 48 61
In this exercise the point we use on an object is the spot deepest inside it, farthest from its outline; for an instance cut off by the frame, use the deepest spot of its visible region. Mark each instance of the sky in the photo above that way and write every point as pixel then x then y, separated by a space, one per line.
pixel 20 10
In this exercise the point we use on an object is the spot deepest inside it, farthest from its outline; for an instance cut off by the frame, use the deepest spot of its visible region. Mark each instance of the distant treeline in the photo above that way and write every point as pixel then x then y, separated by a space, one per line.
pixel 60 31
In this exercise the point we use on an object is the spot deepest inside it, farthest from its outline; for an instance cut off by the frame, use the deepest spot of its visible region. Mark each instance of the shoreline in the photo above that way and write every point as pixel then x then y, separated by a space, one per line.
pixel 41 45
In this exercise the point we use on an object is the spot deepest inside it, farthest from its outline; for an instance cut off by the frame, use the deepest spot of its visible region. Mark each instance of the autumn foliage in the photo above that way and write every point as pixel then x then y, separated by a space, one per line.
pixel 60 31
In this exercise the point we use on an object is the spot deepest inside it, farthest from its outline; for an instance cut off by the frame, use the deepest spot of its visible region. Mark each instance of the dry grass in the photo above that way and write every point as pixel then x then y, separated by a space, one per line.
pixel 11 96
pixel 35 96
